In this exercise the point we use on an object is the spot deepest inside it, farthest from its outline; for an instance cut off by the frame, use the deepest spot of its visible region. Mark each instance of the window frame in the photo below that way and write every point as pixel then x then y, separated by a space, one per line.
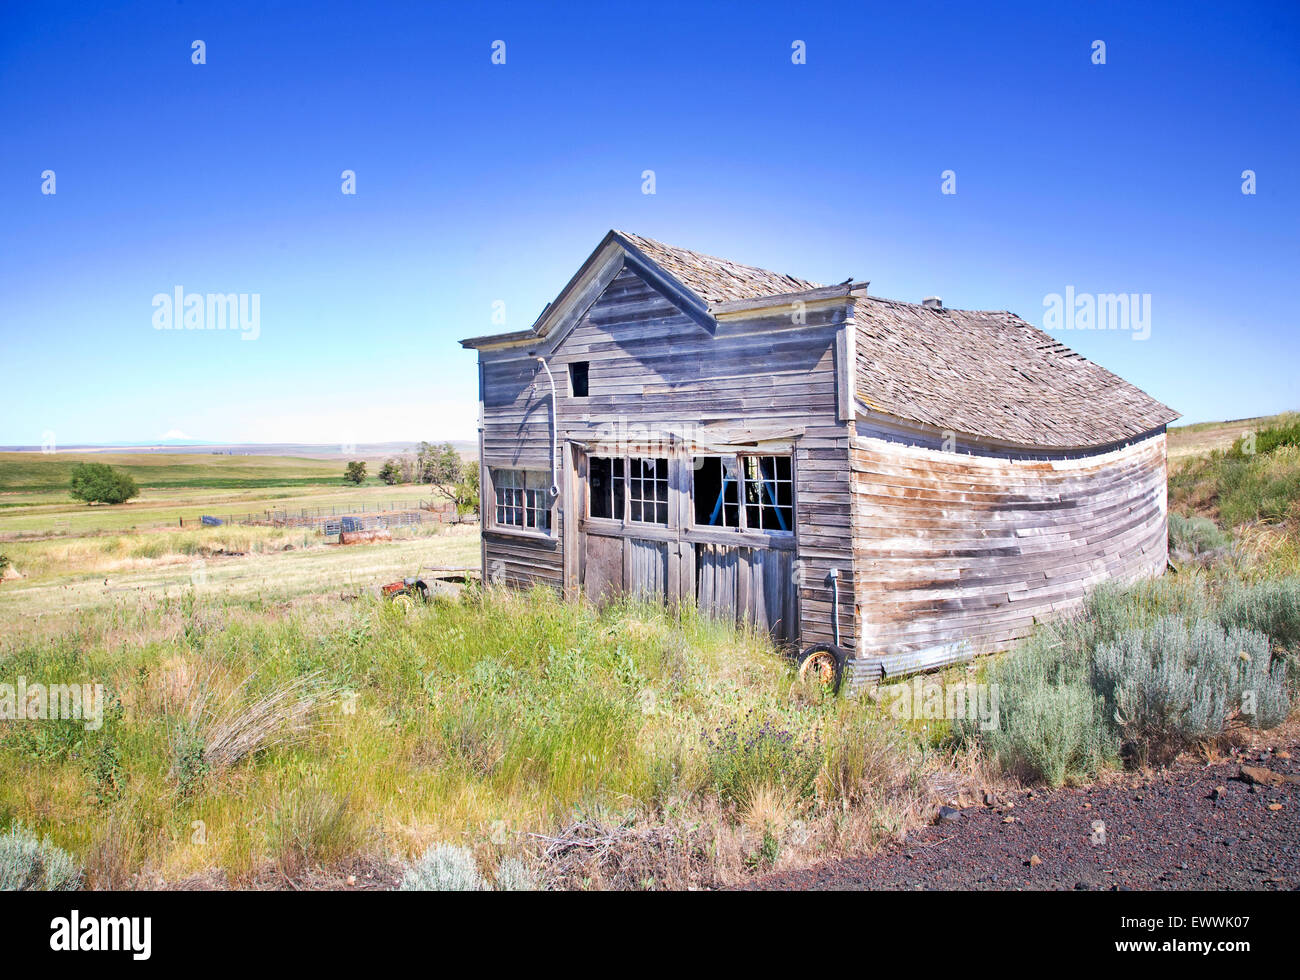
pixel 625 519
pixel 583 367
pixel 654 481
pixel 523 504
pixel 736 462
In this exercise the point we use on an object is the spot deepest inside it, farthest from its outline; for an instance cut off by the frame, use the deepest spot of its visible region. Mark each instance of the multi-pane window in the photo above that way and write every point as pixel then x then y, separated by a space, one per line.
pixel 647 490
pixel 606 486
pixel 523 499
pixel 750 492
pixel 632 489
pixel 769 493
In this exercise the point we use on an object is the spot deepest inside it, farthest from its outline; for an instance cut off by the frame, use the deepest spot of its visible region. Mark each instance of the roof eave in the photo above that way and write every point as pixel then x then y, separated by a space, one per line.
pixel 866 412
pixel 498 340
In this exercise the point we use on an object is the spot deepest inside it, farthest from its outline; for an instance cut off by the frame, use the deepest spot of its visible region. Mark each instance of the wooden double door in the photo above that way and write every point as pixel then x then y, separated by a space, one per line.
pixel 730 575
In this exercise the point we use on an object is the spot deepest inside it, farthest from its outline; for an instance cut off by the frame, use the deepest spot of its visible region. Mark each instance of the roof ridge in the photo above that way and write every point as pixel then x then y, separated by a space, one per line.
pixel 944 309
pixel 704 255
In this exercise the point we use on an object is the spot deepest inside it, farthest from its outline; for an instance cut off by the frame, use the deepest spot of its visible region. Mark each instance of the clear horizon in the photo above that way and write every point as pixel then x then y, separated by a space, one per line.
pixel 481 188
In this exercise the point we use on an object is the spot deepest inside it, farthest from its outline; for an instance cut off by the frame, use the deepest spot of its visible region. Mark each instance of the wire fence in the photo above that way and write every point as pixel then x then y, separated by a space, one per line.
pixel 330 520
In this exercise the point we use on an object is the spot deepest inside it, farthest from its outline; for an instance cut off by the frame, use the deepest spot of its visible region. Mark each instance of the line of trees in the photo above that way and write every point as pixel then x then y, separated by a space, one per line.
pixel 437 464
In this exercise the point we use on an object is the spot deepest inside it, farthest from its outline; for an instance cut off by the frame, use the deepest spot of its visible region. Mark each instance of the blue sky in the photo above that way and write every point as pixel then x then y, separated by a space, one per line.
pixel 479 183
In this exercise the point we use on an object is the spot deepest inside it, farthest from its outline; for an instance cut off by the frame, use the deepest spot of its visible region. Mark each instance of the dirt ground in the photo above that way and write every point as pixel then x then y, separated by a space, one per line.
pixel 1193 826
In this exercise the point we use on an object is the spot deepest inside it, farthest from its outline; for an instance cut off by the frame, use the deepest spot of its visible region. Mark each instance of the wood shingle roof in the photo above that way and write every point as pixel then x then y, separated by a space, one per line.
pixel 990 375
pixel 713 279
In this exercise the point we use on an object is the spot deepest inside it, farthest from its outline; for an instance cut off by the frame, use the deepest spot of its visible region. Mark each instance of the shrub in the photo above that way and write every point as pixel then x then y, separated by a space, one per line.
pixel 741 757
pixel 1272 607
pixel 188 767
pixel 99 483
pixel 1051 724
pixel 389 472
pixel 1129 676
pixel 513 875
pixel 1170 685
pixel 444 868
pixel 30 864
pixel 1196 539
pixel 355 472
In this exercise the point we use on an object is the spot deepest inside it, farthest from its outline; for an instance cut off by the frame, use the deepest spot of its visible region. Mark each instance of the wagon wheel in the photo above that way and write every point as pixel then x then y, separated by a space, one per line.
pixel 822 664
pixel 404 602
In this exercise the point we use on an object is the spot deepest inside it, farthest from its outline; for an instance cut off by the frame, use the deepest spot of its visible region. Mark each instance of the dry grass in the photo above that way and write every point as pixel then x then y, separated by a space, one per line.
pixel 241 723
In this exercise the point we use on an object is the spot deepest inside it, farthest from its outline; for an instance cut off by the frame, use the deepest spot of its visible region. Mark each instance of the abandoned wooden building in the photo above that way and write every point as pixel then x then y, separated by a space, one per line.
pixel 915 483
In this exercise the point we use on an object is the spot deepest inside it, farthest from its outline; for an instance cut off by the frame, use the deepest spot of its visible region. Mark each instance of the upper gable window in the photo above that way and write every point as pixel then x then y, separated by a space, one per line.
pixel 578 379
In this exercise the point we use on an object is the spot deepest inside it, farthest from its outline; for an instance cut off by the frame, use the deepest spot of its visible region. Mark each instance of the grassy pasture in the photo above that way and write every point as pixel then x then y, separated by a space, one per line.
pixel 53 512
pixel 1188 441
pixel 51 472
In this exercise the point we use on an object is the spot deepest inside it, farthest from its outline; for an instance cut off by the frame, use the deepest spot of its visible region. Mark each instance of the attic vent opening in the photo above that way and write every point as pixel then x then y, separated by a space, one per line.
pixel 932 302
pixel 578 379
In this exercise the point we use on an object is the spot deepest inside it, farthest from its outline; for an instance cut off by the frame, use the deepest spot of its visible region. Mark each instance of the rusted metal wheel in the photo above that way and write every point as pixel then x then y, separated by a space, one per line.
pixel 823 664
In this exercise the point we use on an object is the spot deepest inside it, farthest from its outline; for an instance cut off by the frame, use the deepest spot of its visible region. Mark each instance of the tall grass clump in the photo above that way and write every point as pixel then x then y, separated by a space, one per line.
pixel 30 863
pixel 217 732
pixel 1269 438
pixel 305 736
pixel 1238 488
pixel 310 826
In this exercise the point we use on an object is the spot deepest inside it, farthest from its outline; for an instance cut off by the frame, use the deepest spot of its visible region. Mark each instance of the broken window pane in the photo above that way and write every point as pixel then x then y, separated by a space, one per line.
pixel 769 493
pixel 717 491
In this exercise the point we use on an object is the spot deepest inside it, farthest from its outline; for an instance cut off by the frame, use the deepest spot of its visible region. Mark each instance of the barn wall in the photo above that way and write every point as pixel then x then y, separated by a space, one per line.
pixel 950 547
pixel 650 364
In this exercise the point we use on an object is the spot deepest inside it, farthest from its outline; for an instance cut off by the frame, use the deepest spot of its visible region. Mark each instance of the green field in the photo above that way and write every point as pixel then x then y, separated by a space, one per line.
pixel 34 498
pixel 42 472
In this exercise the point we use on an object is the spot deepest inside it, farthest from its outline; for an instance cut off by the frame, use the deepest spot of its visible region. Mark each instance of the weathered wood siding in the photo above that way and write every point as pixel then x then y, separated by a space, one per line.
pixel 652 365
pixel 952 548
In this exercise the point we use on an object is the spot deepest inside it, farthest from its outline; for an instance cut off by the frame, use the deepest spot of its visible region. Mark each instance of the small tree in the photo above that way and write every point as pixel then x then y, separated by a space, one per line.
pixel 4 563
pixel 356 472
pixel 441 466
pixel 408 469
pixel 99 483
pixel 389 472
pixel 467 490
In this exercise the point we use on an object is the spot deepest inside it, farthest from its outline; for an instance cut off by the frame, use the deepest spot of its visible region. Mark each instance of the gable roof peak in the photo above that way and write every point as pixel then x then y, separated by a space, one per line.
pixel 713 279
